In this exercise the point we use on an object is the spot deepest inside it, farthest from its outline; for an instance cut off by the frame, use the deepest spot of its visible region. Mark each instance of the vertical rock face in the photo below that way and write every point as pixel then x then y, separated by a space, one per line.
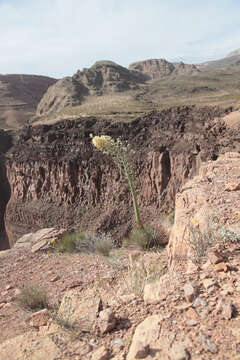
pixel 58 179
pixel 5 143
pixel 205 203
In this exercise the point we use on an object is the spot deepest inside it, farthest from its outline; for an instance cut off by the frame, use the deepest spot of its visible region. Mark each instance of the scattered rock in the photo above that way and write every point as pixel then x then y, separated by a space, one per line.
pixel 40 318
pixel 215 257
pixel 207 344
pixel 55 278
pixel 146 332
pixel 234 186
pixel 80 310
pixel 221 267
pixel 106 320
pixel 226 308
pixel 190 291
pixel 142 350
pixel 100 354
pixel 117 346
pixel 208 283
pixel 192 314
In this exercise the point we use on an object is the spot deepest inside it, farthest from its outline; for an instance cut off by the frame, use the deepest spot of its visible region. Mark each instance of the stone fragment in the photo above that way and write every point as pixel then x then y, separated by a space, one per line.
pixel 159 290
pixel 55 278
pixel 80 310
pixel 146 332
pixel 199 302
pixel 205 312
pixel 190 292
pixel 40 318
pixel 100 354
pixel 207 344
pixel 208 283
pixel 221 267
pixel 117 345
pixel 215 257
pixel 192 314
pixel 226 308
pixel 233 186
pixel 106 320
pixel 142 350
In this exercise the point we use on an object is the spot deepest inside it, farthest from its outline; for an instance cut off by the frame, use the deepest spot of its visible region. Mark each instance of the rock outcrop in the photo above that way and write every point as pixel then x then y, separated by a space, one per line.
pixel 157 69
pixel 66 92
pixel 58 179
pixel 102 78
pixel 206 211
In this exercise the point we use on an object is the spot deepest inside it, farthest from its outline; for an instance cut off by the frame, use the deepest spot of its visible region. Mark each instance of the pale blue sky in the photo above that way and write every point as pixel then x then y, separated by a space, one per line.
pixel 57 37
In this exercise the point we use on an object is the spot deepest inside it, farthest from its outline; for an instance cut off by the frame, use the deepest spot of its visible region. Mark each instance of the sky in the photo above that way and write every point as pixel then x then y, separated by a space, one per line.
pixel 58 37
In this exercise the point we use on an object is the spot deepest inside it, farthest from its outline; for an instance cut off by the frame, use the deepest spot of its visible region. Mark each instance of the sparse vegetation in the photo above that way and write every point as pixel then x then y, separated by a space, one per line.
pixel 214 233
pixel 85 241
pixel 32 298
pixel 146 238
pixel 201 241
pixel 139 274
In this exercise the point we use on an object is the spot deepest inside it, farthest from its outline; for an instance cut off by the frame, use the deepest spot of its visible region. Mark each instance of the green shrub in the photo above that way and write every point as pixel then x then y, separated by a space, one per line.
pixel 66 243
pixel 32 298
pixel 85 241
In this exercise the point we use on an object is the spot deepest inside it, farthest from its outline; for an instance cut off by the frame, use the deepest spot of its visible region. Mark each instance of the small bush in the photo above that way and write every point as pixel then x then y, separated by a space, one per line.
pixel 227 235
pixel 66 243
pixel 85 241
pixel 144 239
pixel 200 242
pixel 32 298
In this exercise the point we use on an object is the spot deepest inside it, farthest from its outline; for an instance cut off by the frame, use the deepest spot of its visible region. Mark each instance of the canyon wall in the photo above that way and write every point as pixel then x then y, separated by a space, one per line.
pixel 58 178
pixel 5 144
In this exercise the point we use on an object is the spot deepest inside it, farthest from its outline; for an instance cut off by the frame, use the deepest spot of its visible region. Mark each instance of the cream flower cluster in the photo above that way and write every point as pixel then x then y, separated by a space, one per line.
pixel 101 142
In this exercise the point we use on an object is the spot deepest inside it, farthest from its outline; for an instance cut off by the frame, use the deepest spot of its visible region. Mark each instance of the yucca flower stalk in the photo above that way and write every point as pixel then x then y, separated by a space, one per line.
pixel 122 155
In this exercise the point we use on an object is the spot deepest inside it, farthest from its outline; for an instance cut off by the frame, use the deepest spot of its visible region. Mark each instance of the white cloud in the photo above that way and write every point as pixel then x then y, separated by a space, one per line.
pixel 57 37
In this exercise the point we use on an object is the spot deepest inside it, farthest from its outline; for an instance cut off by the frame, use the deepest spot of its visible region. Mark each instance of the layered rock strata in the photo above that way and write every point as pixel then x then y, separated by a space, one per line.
pixel 58 179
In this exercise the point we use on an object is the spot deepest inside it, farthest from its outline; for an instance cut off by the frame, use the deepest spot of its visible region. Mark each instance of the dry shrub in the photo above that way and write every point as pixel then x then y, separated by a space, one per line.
pixel 150 237
pixel 85 241
pixel 32 298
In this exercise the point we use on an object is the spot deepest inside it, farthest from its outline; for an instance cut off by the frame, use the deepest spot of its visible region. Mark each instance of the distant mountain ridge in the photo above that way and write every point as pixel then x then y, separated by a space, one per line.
pixel 107 89
pixel 159 68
